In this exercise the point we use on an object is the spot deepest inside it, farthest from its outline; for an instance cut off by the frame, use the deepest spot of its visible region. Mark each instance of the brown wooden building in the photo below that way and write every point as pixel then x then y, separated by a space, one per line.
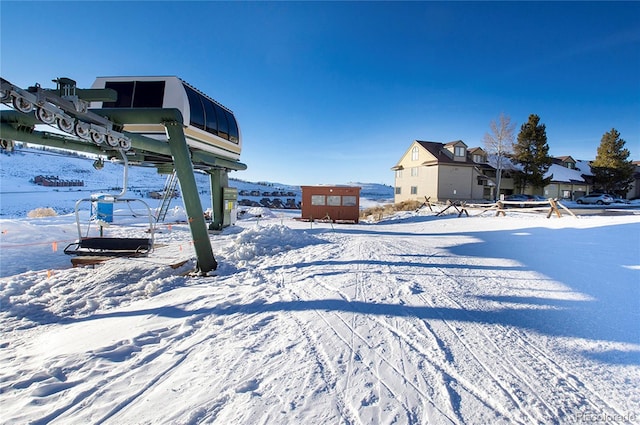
pixel 333 203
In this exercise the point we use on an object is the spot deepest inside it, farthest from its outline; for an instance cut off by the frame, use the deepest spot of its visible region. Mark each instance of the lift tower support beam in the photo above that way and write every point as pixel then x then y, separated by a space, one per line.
pixel 218 179
pixel 93 136
pixel 191 198
pixel 101 131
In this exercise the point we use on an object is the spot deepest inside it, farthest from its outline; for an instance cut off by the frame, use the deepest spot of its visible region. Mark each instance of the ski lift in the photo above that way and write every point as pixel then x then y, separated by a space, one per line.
pixel 102 207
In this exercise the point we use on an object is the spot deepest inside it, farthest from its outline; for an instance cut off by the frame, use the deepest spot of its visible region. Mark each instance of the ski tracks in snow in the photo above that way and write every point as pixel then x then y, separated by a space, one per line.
pixel 108 379
pixel 526 376
pixel 368 361
pixel 452 366
pixel 367 326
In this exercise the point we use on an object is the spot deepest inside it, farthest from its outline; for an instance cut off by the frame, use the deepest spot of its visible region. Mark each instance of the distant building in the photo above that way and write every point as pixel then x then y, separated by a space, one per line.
pixel 331 203
pixel 570 179
pixel 55 181
pixel 443 172
pixel 634 192
pixel 452 171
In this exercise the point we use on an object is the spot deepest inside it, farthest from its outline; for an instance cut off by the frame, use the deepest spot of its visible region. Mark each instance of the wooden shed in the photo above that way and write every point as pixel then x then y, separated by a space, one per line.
pixel 331 203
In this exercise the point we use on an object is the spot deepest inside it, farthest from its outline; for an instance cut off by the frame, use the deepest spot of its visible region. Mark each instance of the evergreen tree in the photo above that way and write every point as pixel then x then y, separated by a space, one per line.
pixel 612 171
pixel 531 151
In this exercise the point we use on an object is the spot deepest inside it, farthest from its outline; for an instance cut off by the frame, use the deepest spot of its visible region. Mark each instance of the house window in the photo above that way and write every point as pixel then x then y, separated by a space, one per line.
pixel 478 159
pixel 398 174
pixel 333 200
pixel 318 200
pixel 414 171
pixel 398 190
pixel 460 151
pixel 349 201
pixel 414 153
pixel 414 190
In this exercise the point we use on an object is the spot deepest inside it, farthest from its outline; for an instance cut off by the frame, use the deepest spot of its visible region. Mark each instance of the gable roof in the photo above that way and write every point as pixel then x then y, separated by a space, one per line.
pixel 561 160
pixel 400 167
pixel 562 174
pixel 436 149
pixel 443 155
pixel 456 142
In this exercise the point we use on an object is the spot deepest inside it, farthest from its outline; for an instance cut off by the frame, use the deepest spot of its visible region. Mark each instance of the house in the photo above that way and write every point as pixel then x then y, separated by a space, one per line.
pixel 570 179
pixel 452 171
pixel 332 203
pixel 634 191
pixel 56 181
pixel 441 172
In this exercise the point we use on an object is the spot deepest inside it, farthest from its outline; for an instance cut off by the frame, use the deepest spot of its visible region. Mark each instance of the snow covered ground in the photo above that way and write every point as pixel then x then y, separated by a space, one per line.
pixel 415 319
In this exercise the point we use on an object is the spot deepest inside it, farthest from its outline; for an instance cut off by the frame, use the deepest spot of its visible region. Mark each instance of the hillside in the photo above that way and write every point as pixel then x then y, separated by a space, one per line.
pixel 18 169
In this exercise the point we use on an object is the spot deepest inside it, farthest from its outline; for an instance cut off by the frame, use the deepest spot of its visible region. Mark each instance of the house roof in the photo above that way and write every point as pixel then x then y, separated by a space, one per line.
pixel 455 142
pixel 474 150
pixel 562 174
pixel 584 167
pixel 444 156
pixel 563 159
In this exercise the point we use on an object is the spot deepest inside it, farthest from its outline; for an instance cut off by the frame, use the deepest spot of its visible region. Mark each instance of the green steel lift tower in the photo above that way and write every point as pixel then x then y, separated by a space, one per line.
pixel 152 121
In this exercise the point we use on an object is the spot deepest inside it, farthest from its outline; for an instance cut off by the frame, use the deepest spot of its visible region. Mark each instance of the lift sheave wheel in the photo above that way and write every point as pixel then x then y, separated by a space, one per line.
pixel 112 141
pixel 22 105
pixel 45 116
pixel 66 124
pixel 96 137
pixel 81 130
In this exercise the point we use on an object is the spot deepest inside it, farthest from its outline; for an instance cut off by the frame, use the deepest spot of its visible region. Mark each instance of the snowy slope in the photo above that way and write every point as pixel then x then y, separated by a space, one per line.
pixel 412 320
pixel 18 170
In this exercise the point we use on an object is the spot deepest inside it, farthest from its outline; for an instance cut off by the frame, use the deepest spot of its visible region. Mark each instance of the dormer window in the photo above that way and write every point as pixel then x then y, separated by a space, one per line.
pixel 460 151
pixel 479 159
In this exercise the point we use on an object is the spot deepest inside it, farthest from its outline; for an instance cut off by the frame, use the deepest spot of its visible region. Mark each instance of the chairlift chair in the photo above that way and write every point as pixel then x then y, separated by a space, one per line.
pixel 109 246
pixel 102 212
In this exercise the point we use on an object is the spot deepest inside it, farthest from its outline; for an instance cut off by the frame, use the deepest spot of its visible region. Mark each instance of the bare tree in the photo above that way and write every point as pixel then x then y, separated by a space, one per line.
pixel 499 143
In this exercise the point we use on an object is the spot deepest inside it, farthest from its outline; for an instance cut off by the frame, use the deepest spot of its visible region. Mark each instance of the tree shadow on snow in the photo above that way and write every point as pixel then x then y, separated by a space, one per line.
pixel 600 266
pixel 601 301
pixel 555 319
pixel 597 263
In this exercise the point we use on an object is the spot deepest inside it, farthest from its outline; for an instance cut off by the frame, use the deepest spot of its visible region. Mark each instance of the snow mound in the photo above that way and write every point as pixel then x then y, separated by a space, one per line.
pixel 258 212
pixel 37 298
pixel 176 214
pixel 267 240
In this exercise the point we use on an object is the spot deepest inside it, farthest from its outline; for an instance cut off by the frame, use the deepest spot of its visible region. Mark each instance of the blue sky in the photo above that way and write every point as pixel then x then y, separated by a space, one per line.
pixel 335 92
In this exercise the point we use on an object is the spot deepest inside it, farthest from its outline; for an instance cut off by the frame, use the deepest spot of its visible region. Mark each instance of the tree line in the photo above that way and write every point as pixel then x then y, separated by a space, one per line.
pixel 612 170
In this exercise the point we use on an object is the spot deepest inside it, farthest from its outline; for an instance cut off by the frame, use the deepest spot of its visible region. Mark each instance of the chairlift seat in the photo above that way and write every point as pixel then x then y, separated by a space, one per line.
pixel 120 247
